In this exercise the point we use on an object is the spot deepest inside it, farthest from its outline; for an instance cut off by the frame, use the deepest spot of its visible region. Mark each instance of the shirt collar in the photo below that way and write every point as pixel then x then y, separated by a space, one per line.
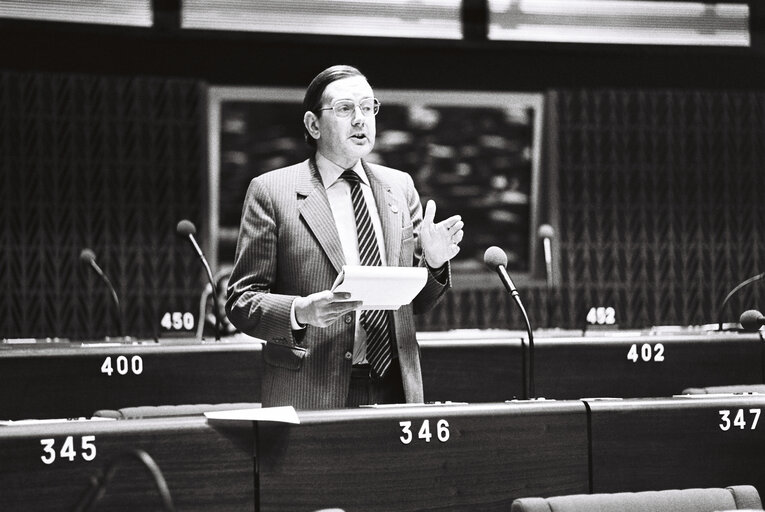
pixel 330 172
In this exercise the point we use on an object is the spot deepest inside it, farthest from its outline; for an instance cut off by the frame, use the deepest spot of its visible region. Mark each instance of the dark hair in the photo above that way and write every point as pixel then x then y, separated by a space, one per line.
pixel 315 91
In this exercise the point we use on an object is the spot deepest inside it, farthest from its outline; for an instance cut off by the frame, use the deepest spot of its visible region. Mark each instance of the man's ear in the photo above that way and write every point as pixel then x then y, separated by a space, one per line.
pixel 311 123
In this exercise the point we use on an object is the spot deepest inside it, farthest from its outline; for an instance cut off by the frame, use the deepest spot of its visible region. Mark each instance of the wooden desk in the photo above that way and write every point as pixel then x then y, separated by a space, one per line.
pixel 64 380
pixel 404 458
pixel 364 459
pixel 69 380
pixel 645 366
pixel 472 370
pixel 206 468
pixel 648 444
pixel 463 367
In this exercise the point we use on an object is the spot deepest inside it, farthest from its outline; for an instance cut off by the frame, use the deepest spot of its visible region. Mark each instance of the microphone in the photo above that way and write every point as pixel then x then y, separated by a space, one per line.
pixel 88 257
pixel 732 293
pixel 496 260
pixel 752 320
pixel 187 229
pixel 547 233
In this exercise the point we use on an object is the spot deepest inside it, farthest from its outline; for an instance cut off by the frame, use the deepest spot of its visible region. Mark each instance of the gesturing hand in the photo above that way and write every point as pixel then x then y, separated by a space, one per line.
pixel 440 242
pixel 323 308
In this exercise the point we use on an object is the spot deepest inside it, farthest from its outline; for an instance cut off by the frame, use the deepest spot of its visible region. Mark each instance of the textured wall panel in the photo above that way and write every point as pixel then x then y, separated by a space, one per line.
pixel 106 163
pixel 661 211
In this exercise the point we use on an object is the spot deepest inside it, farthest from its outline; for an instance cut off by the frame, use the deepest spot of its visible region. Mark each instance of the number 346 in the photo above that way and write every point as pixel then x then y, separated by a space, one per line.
pixel 442 431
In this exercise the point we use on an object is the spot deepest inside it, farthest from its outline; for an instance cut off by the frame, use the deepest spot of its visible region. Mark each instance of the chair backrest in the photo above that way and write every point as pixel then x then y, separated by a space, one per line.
pixel 165 411
pixel 673 500
pixel 738 388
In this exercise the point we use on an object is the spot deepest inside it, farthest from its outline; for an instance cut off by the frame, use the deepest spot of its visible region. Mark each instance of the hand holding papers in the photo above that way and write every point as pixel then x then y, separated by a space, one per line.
pixel 381 287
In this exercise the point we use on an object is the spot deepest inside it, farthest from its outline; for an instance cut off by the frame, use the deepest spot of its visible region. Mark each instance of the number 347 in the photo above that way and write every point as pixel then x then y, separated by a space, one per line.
pixel 739 419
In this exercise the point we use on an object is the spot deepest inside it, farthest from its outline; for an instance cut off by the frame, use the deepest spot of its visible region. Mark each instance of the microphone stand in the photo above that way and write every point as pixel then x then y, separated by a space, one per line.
pixel 549 279
pixel 733 292
pixel 216 312
pixel 105 278
pixel 529 391
pixel 88 257
pixel 187 229
pixel 528 369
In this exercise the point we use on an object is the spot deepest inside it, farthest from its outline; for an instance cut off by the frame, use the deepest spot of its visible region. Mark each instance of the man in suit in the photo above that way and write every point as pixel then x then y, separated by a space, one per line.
pixel 300 225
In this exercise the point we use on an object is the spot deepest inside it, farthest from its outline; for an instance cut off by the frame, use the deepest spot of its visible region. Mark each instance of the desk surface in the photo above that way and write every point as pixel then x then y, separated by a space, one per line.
pixel 48 467
pixel 488 370
pixel 645 366
pixel 405 458
pixel 624 365
pixel 450 457
pixel 356 459
pixel 649 444
pixel 65 380
pixel 49 380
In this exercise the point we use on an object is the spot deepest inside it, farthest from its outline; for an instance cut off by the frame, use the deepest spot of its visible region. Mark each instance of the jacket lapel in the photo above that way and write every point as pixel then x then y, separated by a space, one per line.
pixel 315 209
pixel 389 209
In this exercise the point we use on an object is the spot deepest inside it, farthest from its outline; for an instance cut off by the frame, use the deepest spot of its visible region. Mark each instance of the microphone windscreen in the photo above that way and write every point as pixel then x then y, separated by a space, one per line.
pixel 186 228
pixel 546 231
pixel 87 255
pixel 494 257
pixel 751 320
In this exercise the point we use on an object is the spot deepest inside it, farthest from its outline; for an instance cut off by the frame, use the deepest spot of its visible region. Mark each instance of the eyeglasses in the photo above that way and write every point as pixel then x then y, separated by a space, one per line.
pixel 346 108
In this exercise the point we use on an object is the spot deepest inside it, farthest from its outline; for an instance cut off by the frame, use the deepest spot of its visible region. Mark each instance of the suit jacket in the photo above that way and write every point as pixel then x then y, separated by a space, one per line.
pixel 288 247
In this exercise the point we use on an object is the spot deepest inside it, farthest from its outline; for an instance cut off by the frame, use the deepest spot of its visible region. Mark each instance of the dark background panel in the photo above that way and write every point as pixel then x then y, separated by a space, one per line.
pixel 653 162
pixel 107 163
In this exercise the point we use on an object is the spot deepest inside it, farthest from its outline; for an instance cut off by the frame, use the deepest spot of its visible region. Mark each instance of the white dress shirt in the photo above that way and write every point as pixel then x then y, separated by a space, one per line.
pixel 339 195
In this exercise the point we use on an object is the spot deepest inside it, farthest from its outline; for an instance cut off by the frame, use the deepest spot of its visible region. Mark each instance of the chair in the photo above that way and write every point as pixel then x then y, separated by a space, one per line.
pixel 738 388
pixel 737 497
pixel 167 411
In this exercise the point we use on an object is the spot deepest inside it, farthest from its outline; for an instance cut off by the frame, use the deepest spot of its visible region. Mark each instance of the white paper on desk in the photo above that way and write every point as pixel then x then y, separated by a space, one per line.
pixel 381 287
pixel 285 414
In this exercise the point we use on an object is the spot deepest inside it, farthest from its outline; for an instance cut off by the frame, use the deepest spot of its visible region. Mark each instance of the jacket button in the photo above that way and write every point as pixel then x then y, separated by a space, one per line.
pixel 348 319
pixel 348 355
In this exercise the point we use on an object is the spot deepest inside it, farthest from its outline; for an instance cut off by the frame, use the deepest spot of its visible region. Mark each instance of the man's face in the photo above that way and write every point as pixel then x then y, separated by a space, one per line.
pixel 346 139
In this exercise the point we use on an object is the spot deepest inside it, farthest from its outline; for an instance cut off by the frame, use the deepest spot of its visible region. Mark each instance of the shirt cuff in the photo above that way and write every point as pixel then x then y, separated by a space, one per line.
pixel 293 319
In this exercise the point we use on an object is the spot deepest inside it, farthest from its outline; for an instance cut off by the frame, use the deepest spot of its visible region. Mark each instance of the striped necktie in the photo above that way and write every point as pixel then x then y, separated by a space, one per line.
pixel 375 322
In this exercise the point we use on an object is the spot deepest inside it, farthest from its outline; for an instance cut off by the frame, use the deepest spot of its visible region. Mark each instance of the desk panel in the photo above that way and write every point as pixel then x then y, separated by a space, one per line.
pixel 206 468
pixel 71 380
pixel 66 379
pixel 644 366
pixel 472 370
pixel 648 444
pixel 364 459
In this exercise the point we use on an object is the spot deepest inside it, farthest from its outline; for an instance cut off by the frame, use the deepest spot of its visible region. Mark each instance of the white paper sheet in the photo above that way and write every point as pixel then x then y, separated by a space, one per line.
pixel 286 414
pixel 381 287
